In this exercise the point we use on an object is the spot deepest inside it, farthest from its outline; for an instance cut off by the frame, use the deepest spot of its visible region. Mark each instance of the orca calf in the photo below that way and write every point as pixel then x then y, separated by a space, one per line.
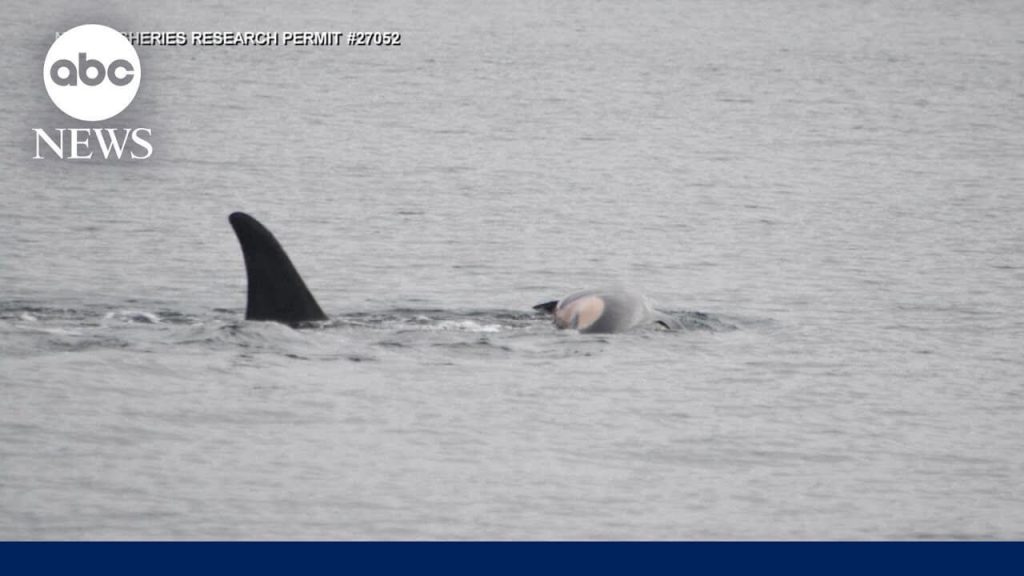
pixel 605 311
pixel 276 291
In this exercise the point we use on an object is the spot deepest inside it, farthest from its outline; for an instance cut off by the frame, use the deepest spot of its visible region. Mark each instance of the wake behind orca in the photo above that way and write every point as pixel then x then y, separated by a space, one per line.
pixel 277 293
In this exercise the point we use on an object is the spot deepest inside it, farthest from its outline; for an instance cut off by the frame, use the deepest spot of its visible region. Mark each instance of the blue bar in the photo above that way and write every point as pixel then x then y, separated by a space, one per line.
pixel 485 558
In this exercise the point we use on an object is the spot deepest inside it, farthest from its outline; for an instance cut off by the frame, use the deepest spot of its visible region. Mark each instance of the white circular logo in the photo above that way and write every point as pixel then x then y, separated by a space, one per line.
pixel 92 72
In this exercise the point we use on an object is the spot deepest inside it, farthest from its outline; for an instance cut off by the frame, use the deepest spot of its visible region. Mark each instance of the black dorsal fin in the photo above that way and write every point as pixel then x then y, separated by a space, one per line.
pixel 548 307
pixel 276 291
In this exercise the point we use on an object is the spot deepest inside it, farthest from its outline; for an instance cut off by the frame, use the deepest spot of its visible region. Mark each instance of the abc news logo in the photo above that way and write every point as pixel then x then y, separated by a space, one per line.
pixel 92 73
pixel 71 74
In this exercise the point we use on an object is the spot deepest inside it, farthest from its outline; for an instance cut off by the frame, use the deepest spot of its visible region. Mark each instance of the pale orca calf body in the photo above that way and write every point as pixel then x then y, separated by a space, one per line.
pixel 605 311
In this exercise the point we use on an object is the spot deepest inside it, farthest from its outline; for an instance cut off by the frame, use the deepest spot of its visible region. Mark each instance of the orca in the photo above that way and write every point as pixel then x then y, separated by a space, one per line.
pixel 276 292
pixel 605 311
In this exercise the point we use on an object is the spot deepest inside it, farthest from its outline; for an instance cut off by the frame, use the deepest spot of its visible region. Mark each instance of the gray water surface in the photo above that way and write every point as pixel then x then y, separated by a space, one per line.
pixel 830 195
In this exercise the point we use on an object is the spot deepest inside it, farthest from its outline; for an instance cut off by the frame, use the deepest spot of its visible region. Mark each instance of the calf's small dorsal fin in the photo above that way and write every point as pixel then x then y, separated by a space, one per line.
pixel 548 307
